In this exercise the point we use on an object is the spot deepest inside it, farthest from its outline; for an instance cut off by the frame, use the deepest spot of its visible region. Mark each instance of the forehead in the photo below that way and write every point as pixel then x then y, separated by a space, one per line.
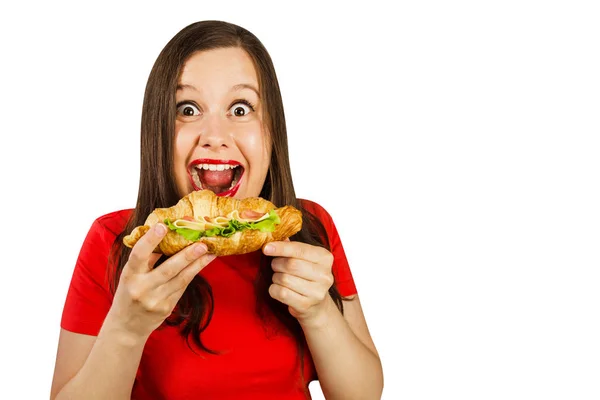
pixel 227 67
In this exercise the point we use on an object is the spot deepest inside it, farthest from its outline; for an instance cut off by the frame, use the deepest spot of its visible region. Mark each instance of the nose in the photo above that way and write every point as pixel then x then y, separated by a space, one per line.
pixel 214 134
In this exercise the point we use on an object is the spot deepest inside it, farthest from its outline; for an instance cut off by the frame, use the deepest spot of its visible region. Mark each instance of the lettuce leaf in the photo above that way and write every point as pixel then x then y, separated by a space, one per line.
pixel 266 225
pixel 189 234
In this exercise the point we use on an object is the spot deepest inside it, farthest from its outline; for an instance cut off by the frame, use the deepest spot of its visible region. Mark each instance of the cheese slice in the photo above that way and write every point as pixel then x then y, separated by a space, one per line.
pixel 205 223
pixel 195 225
pixel 220 221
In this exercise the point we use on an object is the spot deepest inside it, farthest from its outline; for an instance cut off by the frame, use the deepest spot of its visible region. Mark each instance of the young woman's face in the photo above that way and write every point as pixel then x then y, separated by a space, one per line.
pixel 220 141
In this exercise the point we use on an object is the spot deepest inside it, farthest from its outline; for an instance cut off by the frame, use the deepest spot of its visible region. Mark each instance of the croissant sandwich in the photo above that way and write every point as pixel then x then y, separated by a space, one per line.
pixel 225 225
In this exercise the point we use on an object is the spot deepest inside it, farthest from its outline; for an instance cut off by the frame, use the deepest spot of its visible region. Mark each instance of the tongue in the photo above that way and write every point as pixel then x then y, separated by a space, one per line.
pixel 217 178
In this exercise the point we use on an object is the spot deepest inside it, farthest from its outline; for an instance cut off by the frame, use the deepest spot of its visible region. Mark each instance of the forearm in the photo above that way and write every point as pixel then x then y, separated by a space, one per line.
pixel 347 369
pixel 110 369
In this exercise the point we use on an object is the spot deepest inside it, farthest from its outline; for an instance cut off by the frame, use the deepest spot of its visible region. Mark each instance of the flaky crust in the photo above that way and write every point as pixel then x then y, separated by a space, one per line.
pixel 206 203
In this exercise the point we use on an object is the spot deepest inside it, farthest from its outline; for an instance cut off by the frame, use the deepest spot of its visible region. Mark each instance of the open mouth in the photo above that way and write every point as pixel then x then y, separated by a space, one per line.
pixel 223 177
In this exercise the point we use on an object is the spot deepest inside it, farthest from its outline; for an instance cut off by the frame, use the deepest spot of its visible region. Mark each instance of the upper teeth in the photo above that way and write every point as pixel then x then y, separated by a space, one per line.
pixel 215 167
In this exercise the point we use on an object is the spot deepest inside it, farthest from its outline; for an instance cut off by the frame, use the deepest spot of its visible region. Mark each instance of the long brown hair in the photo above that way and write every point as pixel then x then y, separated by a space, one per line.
pixel 157 186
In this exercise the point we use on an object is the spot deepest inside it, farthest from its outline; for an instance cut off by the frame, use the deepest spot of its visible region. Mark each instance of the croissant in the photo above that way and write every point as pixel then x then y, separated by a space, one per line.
pixel 218 222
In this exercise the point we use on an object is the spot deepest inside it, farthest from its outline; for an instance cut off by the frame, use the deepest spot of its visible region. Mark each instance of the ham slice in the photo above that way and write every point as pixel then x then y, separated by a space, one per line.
pixel 250 214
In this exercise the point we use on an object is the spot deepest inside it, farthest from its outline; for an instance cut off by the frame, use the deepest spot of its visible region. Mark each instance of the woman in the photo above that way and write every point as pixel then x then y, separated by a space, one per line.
pixel 260 325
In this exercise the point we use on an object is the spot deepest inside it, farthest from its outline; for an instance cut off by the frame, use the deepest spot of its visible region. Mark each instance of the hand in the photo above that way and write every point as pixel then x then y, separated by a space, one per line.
pixel 145 296
pixel 302 278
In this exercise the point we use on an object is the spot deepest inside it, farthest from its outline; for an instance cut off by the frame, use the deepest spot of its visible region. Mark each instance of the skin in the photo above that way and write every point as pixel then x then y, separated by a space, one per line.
pixel 342 349
pixel 210 123
pixel 104 367
pixel 345 357
pixel 302 273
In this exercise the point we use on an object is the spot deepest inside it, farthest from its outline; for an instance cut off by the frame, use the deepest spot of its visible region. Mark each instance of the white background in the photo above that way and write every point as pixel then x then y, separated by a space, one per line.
pixel 465 133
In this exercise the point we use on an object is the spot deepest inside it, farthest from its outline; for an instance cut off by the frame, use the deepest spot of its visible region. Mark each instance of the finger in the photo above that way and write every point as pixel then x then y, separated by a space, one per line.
pixel 298 250
pixel 174 297
pixel 298 285
pixel 141 252
pixel 297 267
pixel 175 264
pixel 181 281
pixel 289 297
pixel 154 257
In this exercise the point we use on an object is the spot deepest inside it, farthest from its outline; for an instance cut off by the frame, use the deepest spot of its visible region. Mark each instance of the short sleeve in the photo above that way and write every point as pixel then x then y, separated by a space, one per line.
pixel 341 269
pixel 89 297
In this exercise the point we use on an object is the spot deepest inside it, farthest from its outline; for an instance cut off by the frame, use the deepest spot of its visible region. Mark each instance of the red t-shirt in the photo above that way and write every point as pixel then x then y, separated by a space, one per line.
pixel 256 361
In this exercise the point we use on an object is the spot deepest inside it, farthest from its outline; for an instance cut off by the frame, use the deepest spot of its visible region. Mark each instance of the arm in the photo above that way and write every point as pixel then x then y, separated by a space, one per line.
pixel 344 354
pixel 96 367
pixel 104 367
pixel 342 349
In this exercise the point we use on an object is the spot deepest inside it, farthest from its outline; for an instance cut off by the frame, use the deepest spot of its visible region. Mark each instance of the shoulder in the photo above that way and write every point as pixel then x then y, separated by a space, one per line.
pixel 113 223
pixel 340 268
pixel 315 208
pixel 319 212
pixel 107 227
pixel 96 248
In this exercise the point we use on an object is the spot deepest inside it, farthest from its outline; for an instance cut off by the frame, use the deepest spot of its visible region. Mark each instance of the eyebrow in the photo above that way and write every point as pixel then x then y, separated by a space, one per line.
pixel 235 88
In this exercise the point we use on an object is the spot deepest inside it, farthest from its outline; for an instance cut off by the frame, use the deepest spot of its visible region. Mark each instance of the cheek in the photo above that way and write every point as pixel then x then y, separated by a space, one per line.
pixel 182 145
pixel 255 147
pixel 184 141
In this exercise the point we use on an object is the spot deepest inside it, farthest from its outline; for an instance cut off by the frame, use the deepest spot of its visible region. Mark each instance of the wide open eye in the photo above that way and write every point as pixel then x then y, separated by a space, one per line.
pixel 241 108
pixel 187 109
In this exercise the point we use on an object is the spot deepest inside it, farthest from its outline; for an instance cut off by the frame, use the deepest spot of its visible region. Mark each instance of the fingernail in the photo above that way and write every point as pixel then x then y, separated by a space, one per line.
pixel 210 257
pixel 199 249
pixel 269 248
pixel 160 229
